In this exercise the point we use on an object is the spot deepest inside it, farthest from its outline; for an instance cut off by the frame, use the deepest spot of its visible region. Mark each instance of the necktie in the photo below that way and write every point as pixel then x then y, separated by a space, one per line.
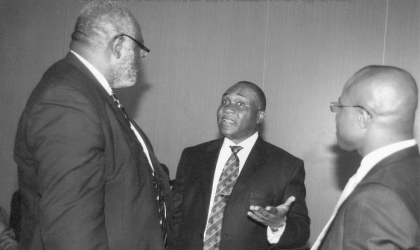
pixel 225 185
pixel 351 184
pixel 156 184
pixel 162 208
pixel 120 106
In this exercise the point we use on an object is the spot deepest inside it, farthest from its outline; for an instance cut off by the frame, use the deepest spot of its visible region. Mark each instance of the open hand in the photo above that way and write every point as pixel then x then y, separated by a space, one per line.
pixel 273 217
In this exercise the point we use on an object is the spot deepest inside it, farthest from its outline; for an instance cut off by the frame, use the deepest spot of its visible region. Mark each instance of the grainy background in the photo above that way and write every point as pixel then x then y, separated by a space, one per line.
pixel 299 52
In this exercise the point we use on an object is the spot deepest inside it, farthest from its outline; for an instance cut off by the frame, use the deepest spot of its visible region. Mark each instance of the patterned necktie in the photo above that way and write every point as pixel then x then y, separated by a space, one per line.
pixel 224 187
pixel 120 106
pixel 162 209
pixel 156 184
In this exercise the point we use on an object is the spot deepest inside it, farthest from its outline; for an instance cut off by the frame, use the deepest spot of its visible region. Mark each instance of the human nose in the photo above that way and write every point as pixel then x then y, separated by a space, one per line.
pixel 143 53
pixel 229 109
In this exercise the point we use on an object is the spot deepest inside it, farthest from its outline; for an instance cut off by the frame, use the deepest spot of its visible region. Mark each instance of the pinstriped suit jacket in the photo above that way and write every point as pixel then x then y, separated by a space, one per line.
pixel 383 212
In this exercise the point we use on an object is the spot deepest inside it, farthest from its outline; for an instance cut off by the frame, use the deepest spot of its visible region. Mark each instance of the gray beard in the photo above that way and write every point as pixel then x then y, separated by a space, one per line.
pixel 125 74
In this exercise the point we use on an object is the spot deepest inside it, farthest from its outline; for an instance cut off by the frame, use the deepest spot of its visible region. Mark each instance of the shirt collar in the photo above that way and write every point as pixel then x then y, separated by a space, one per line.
pixel 371 159
pixel 101 79
pixel 247 143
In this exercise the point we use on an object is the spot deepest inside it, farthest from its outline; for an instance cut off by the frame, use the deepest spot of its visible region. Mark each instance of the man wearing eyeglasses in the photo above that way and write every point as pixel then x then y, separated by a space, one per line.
pixel 88 176
pixel 380 205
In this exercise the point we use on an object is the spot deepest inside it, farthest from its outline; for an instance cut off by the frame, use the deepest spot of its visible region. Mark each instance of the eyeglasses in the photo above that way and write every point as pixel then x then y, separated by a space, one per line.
pixel 336 106
pixel 143 49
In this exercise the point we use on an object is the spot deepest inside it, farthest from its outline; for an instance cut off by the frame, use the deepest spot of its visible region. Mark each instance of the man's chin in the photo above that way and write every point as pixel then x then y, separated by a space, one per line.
pixel 123 84
pixel 345 146
pixel 226 128
pixel 225 131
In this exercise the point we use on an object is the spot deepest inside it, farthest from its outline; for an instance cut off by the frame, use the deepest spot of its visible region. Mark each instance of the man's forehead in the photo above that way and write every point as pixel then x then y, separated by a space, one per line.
pixel 137 30
pixel 232 94
pixel 241 90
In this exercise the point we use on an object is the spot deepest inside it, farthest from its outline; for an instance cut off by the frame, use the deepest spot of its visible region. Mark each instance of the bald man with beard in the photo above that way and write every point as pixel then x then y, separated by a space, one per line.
pixel 380 205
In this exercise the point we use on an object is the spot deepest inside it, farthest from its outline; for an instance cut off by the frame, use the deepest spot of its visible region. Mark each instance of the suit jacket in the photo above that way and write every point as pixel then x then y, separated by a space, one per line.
pixel 383 212
pixel 269 176
pixel 84 179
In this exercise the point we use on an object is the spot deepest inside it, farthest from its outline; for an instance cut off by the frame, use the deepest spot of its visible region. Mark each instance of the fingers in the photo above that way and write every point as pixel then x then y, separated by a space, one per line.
pixel 271 216
pixel 253 216
pixel 259 214
pixel 271 210
pixel 254 213
pixel 289 201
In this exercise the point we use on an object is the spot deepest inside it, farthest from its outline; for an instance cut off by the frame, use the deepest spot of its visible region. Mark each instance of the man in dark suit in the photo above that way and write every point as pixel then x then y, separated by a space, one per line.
pixel 87 173
pixel 380 205
pixel 269 189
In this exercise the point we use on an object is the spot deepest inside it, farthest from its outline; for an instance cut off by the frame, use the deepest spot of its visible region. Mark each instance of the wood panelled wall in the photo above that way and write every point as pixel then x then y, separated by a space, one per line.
pixel 300 52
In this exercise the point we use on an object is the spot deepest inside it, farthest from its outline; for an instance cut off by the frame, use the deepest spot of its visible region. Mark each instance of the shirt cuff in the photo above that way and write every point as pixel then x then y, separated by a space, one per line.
pixel 274 237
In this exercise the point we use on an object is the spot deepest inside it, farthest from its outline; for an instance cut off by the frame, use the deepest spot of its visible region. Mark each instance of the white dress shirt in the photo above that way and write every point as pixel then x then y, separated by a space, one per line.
pixel 224 155
pixel 368 162
pixel 102 80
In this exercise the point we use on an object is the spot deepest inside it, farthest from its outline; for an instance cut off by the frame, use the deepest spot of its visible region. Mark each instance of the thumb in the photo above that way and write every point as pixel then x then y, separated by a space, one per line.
pixel 289 201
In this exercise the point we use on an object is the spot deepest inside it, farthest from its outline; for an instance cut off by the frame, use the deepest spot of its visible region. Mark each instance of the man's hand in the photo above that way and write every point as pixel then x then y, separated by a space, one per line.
pixel 273 217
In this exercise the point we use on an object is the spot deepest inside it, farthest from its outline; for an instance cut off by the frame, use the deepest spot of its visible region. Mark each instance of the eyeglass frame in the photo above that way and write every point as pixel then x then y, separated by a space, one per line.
pixel 338 105
pixel 144 48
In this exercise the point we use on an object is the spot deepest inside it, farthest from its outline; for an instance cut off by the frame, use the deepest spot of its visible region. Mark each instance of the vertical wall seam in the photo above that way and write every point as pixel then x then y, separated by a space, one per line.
pixel 385 33
pixel 265 43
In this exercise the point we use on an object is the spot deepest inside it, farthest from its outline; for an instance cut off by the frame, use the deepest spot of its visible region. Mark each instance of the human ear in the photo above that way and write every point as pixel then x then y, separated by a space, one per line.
pixel 116 47
pixel 363 119
pixel 260 116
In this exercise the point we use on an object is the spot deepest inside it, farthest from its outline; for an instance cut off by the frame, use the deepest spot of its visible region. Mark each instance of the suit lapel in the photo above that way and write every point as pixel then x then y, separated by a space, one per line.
pixel 154 160
pixel 156 164
pixel 207 170
pixel 119 114
pixel 161 175
pixel 408 153
pixel 253 163
pixel 99 90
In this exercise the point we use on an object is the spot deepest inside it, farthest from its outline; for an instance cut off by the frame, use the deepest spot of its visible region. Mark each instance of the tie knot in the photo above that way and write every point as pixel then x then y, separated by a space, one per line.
pixel 235 149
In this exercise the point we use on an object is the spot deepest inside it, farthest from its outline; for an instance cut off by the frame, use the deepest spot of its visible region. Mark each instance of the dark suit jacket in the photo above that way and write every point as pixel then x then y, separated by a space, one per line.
pixel 84 179
pixel 383 212
pixel 269 176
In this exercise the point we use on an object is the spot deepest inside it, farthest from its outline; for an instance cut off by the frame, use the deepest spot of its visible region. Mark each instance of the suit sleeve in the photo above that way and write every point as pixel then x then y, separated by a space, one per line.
pixel 378 219
pixel 296 233
pixel 66 138
pixel 176 193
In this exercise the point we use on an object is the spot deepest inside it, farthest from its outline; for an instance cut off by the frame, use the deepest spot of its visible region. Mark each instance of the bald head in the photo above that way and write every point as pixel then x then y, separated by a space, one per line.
pixel 387 99
pixel 99 22
pixel 388 93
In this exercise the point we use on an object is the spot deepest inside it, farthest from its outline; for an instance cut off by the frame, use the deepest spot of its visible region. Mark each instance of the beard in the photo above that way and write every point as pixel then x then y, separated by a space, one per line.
pixel 125 74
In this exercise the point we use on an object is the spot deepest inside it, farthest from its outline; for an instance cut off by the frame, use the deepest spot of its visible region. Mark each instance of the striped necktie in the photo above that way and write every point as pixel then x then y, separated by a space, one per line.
pixel 224 187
